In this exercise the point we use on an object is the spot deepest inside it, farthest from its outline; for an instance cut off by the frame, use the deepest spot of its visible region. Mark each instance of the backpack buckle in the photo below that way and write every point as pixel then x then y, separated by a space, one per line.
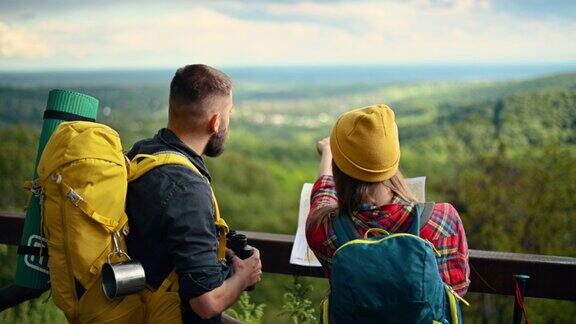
pixel 125 230
pixel 117 249
pixel 35 187
pixel 74 197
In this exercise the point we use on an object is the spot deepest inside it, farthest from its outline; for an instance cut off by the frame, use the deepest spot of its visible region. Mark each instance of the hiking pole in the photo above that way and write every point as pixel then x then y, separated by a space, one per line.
pixel 519 306
pixel 32 277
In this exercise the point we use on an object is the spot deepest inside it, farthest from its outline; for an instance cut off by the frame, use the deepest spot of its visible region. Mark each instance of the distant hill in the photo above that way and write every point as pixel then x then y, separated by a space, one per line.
pixel 292 77
pixel 429 110
pixel 526 111
pixel 516 121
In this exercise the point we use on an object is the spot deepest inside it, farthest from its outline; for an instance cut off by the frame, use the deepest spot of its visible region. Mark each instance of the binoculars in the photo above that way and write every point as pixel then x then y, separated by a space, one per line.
pixel 238 243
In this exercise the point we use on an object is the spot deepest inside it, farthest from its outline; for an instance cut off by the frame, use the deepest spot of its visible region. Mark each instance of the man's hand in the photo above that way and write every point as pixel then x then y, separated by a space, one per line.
pixel 249 270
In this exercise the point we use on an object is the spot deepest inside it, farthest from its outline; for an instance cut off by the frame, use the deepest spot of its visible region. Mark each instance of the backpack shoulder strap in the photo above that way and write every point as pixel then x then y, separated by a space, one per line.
pixel 143 163
pixel 159 306
pixel 343 229
pixel 421 217
pixel 427 211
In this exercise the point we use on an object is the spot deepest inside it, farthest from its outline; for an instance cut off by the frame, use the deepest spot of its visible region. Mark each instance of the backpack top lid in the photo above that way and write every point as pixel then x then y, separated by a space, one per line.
pixel 80 140
pixel 390 278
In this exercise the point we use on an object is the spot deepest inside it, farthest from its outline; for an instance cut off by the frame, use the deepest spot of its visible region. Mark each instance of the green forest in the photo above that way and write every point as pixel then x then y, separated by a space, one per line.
pixel 502 152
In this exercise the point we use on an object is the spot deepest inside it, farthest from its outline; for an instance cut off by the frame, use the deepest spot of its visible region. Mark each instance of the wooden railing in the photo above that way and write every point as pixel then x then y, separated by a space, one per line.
pixel 491 272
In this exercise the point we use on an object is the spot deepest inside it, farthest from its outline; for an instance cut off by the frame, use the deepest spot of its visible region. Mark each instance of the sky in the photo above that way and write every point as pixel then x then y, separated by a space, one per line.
pixel 39 35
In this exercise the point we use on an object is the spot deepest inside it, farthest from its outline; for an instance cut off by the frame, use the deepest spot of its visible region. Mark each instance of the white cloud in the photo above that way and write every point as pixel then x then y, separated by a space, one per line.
pixel 19 42
pixel 293 33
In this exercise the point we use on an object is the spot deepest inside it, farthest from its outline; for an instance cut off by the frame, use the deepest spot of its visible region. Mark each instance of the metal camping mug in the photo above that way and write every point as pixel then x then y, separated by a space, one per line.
pixel 122 279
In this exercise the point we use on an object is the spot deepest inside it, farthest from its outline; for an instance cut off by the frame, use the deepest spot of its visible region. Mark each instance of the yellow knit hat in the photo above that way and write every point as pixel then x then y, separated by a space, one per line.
pixel 365 145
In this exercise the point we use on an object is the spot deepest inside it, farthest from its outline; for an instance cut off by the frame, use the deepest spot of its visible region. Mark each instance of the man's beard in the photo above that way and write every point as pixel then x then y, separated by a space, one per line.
pixel 216 143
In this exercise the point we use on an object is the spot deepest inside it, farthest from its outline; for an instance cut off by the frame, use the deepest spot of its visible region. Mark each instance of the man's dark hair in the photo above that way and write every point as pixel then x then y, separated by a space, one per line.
pixel 192 85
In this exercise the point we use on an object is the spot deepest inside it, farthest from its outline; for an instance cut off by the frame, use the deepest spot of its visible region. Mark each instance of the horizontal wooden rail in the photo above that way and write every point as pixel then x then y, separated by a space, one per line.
pixel 491 272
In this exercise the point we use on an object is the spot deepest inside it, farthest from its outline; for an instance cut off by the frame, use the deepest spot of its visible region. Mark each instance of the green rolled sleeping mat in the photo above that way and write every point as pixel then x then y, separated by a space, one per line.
pixel 32 267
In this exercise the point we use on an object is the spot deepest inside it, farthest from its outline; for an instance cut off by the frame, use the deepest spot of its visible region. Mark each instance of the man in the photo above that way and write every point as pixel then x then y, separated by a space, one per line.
pixel 170 209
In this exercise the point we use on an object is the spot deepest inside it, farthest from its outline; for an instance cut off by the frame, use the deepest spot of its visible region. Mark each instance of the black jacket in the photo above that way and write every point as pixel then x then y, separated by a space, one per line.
pixel 171 219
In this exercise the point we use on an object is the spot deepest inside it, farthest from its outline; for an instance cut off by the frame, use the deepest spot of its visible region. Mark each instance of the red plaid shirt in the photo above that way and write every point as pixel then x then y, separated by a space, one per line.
pixel 444 230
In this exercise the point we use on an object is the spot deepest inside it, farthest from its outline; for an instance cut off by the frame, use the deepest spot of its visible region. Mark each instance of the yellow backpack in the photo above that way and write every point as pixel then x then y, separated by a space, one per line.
pixel 84 177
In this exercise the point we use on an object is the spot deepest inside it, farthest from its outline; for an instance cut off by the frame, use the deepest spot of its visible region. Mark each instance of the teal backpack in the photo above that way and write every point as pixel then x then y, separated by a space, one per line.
pixel 392 278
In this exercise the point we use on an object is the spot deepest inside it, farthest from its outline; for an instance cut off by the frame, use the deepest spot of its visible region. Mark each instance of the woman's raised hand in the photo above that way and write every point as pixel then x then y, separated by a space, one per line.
pixel 323 146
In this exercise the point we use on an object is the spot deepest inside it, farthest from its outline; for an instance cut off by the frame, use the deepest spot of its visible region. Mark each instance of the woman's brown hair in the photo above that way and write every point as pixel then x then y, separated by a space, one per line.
pixel 351 192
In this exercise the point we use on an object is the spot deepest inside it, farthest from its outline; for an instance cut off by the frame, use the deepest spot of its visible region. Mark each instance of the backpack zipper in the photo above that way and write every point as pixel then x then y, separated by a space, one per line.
pixel 366 241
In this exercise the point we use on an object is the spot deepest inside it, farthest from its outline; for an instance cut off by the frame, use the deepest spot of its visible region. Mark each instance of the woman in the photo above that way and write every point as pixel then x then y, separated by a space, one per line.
pixel 359 178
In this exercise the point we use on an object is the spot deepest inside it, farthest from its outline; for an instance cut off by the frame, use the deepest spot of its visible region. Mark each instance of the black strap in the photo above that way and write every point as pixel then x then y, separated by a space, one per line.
pixel 61 115
pixel 13 295
pixel 32 250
